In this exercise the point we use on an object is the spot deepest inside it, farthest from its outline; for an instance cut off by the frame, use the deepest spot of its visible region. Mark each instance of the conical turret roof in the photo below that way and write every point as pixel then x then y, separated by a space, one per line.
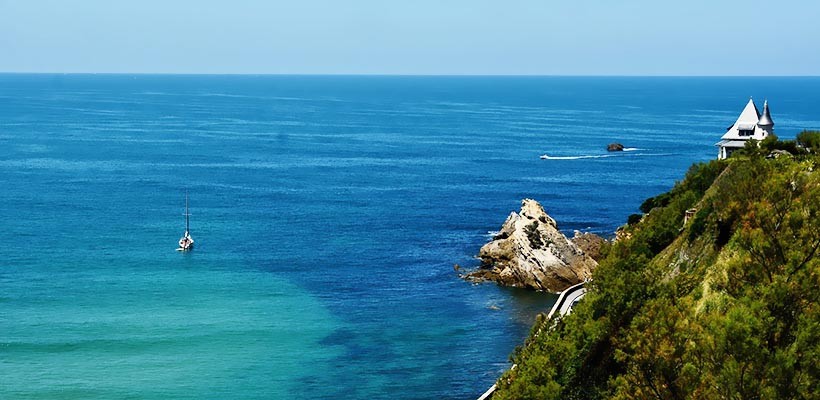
pixel 747 125
pixel 749 117
pixel 766 118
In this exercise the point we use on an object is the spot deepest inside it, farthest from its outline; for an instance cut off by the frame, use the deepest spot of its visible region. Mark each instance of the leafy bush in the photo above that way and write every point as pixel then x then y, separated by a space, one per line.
pixel 771 143
pixel 809 140
pixel 698 226
pixel 533 235
pixel 660 200
pixel 750 149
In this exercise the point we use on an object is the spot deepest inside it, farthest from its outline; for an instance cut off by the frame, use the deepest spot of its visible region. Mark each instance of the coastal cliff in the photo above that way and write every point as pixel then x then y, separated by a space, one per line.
pixel 530 252
pixel 711 294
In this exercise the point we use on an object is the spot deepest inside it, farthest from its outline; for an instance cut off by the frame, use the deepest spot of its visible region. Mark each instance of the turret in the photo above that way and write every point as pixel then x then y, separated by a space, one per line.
pixel 765 121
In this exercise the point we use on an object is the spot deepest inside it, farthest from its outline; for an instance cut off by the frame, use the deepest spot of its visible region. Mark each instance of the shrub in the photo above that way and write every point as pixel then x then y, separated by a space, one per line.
pixel 660 200
pixel 809 140
pixel 699 223
pixel 533 235
pixel 772 143
pixel 769 143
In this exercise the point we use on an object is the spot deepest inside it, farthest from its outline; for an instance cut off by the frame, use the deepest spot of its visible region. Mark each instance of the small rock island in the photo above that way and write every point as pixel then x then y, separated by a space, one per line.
pixel 531 252
pixel 615 147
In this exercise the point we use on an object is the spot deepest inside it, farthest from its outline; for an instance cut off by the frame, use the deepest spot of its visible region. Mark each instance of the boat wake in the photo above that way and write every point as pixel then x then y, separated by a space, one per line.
pixel 614 154
pixel 546 157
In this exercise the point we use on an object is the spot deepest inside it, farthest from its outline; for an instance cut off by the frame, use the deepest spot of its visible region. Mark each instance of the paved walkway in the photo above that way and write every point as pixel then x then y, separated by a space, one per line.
pixel 563 306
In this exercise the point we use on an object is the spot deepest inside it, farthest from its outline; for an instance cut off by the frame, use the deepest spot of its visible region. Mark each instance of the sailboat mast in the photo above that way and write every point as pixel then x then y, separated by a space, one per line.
pixel 187 229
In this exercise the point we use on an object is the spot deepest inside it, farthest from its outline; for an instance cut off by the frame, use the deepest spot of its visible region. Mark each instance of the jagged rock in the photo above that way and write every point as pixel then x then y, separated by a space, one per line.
pixel 531 252
pixel 615 147
pixel 589 243
pixel 779 153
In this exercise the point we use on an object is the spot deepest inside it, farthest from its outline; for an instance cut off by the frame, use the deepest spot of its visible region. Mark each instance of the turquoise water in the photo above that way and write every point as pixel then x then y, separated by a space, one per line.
pixel 328 213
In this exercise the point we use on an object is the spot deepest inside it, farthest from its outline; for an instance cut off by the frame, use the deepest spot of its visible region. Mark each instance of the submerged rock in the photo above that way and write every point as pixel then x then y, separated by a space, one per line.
pixel 615 147
pixel 530 252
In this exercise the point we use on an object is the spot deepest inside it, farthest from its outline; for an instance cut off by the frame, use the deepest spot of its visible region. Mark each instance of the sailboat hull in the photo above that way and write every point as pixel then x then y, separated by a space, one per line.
pixel 187 248
pixel 186 243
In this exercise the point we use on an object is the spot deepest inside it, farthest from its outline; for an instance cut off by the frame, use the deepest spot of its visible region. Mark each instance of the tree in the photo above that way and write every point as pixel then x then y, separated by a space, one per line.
pixel 809 140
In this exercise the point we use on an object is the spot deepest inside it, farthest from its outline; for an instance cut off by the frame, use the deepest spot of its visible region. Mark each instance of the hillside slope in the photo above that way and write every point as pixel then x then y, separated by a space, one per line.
pixel 725 306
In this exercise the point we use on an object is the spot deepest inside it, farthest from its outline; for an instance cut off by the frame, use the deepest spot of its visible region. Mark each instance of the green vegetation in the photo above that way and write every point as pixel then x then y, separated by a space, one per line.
pixel 533 235
pixel 726 306
pixel 772 143
pixel 809 140
pixel 634 219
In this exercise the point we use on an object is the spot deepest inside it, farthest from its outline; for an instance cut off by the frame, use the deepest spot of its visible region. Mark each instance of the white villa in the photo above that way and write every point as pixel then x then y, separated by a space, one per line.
pixel 751 124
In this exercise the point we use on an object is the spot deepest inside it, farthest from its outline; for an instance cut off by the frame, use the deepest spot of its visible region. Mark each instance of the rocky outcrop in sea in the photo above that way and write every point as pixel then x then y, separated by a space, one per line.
pixel 531 252
pixel 615 147
pixel 589 243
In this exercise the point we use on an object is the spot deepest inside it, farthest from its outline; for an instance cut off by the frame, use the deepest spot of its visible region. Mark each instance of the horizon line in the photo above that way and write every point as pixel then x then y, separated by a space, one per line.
pixel 405 75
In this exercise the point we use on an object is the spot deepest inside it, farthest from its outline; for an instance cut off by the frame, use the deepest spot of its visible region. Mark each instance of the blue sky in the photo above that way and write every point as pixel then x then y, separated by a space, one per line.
pixel 568 37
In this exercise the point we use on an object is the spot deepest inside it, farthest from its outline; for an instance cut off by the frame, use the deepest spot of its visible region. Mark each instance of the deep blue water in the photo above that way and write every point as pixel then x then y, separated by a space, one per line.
pixel 328 212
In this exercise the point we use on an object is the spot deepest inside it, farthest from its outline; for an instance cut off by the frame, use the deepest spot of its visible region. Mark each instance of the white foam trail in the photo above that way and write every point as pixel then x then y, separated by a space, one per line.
pixel 614 154
pixel 546 157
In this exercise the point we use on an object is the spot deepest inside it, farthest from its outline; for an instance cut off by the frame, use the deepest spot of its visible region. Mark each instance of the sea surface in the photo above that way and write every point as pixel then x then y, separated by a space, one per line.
pixel 328 212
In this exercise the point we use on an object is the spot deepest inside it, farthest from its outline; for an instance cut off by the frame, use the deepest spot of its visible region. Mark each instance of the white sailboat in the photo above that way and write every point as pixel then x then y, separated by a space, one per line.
pixel 186 243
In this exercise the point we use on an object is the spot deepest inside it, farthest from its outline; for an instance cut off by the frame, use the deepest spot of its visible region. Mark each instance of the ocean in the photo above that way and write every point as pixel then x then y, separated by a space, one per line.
pixel 328 213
